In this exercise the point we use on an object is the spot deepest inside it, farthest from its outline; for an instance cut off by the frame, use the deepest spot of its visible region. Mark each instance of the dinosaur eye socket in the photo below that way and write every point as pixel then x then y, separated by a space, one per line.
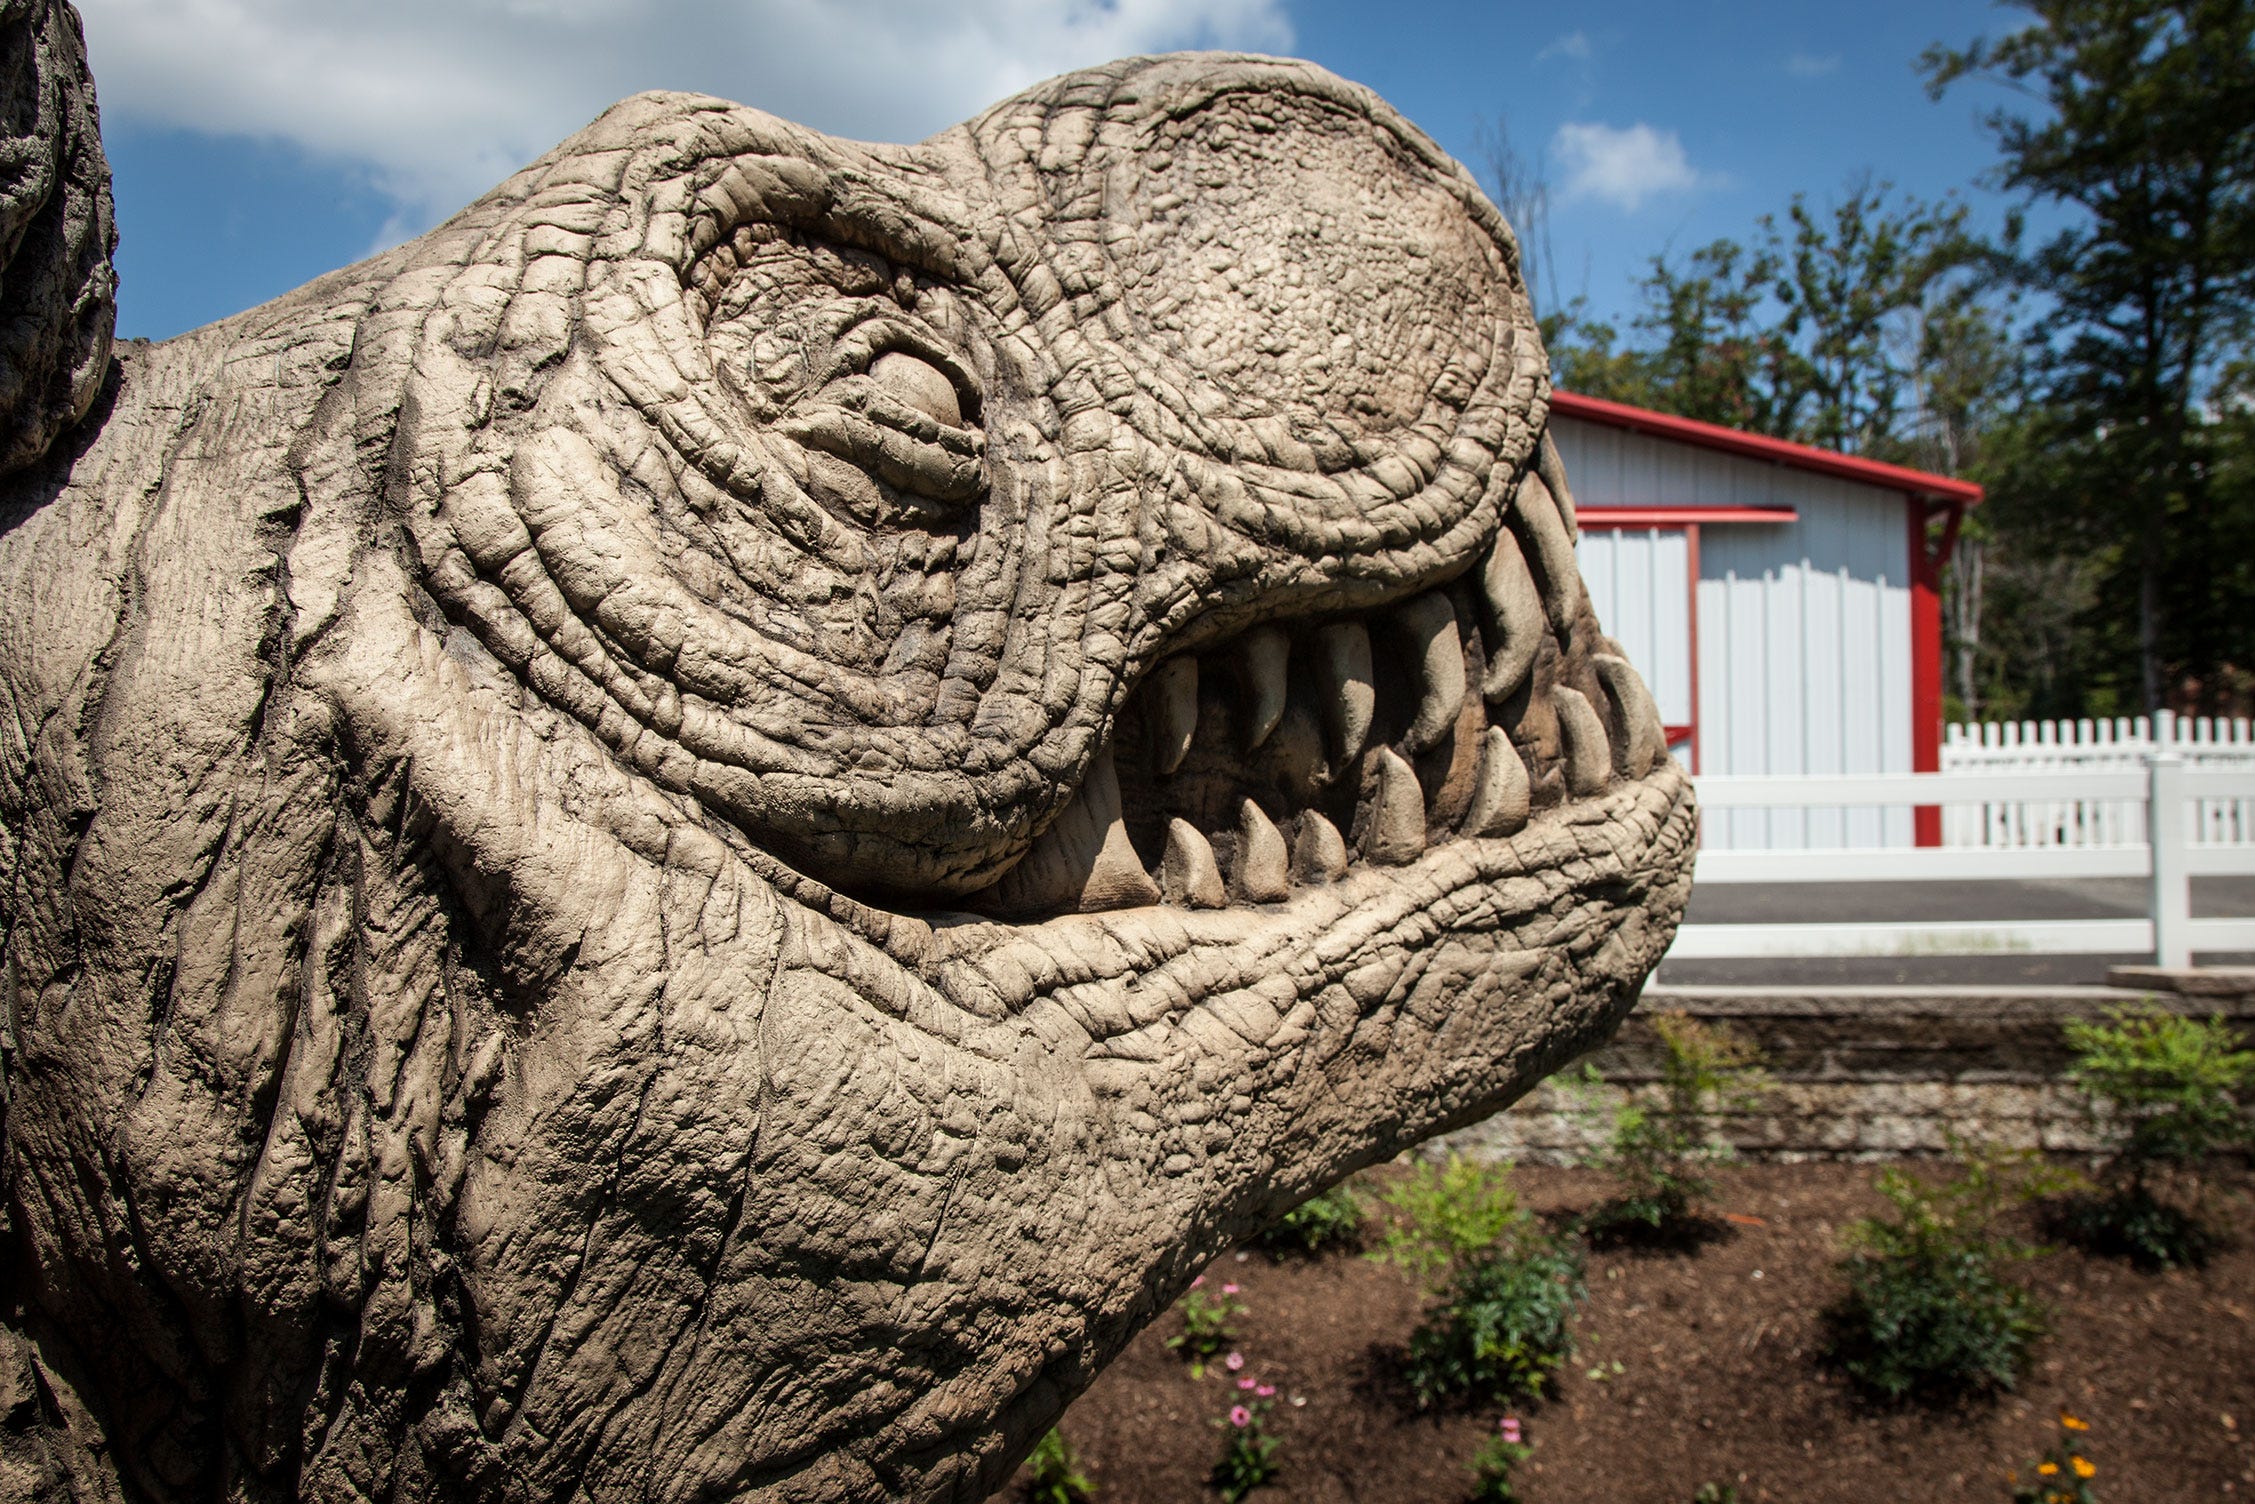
pixel 856 362
pixel 920 385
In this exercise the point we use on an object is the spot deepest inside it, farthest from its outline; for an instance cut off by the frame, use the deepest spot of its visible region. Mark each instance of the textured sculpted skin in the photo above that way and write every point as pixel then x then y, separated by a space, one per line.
pixel 695 838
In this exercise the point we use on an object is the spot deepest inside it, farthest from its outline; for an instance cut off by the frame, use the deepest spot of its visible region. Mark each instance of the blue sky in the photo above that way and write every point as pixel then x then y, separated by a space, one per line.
pixel 259 143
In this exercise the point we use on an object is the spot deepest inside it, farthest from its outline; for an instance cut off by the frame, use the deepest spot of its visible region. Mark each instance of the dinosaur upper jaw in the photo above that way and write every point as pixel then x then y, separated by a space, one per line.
pixel 871 483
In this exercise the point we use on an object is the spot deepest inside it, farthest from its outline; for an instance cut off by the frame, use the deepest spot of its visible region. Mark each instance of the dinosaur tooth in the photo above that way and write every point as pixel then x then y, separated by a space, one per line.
pixel 1551 466
pixel 1553 545
pixel 1174 710
pixel 1084 861
pixel 1517 608
pixel 1188 874
pixel 1633 721
pixel 1396 832
pixel 1428 624
pixel 1349 695
pixel 1262 655
pixel 1319 852
pixel 1583 748
pixel 1118 880
pixel 1500 799
pixel 1261 861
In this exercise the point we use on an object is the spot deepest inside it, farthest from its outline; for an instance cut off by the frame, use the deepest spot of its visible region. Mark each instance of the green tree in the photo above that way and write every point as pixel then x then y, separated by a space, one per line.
pixel 1811 330
pixel 1715 351
pixel 1966 379
pixel 1859 285
pixel 2140 125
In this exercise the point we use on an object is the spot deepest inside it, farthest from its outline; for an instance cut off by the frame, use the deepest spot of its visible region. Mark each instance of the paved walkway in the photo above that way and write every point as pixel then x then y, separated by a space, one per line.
pixel 1840 903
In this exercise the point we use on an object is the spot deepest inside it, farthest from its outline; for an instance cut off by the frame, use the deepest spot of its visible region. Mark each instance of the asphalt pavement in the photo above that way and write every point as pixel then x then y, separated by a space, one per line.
pixel 1843 903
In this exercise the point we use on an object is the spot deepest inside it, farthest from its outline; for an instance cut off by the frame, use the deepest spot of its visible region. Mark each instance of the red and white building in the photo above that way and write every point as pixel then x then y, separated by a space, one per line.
pixel 1782 602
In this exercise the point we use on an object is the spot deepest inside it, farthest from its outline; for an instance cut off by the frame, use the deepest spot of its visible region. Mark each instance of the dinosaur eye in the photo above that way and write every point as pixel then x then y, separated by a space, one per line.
pixel 920 385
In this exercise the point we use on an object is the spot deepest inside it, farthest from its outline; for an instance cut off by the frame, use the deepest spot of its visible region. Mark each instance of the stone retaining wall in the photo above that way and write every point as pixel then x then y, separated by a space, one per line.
pixel 1861 1073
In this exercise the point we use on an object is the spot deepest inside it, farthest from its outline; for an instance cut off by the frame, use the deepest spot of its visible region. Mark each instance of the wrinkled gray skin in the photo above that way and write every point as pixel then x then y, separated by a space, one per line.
pixel 629 872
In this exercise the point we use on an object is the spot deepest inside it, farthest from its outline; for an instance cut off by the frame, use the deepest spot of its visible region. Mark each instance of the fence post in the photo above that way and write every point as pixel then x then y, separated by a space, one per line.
pixel 2165 832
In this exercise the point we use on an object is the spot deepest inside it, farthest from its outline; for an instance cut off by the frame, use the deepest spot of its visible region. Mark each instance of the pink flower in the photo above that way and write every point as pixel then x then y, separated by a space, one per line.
pixel 1233 1362
pixel 1229 1288
pixel 1194 1284
pixel 1246 1382
pixel 1511 1429
pixel 1240 1417
pixel 1265 1390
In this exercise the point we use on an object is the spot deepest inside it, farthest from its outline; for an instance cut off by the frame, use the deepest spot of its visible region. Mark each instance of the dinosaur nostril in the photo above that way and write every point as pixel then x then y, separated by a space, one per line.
pixel 920 385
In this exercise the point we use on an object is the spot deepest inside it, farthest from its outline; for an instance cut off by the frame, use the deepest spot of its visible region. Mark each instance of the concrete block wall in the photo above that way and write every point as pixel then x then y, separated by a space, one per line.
pixel 1860 1073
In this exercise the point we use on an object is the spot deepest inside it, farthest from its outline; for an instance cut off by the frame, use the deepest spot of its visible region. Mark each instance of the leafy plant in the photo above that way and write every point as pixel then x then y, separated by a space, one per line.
pixel 1209 1325
pixel 2173 1084
pixel 1492 1465
pixel 1657 1149
pixel 1248 1453
pixel 1056 1474
pixel 1503 1324
pixel 1928 1311
pixel 2064 1474
pixel 1446 1216
pixel 1322 1221
pixel 1715 1493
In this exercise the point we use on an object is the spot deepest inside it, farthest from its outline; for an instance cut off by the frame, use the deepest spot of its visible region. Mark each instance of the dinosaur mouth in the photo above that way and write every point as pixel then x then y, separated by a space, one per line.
pixel 1298 752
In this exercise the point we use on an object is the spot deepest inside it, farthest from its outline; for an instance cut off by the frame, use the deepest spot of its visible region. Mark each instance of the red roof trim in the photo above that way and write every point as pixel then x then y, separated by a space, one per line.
pixel 1610 517
pixel 1758 447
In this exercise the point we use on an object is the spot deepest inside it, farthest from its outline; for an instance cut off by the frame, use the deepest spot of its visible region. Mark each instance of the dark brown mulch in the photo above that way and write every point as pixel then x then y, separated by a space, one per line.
pixel 1718 1377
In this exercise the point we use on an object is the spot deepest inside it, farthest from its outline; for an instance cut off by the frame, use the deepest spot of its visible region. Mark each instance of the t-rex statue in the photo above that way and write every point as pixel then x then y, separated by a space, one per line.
pixel 696 837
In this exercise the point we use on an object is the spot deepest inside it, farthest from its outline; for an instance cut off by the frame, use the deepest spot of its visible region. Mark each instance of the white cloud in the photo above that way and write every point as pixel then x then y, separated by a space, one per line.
pixel 1574 46
pixel 1810 65
pixel 441 99
pixel 1623 165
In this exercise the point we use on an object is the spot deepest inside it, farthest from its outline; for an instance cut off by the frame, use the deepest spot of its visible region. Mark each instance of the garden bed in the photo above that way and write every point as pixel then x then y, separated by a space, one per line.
pixel 1717 1378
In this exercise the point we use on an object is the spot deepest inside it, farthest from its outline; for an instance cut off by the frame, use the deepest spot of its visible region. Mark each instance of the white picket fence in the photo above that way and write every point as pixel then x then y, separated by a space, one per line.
pixel 2156 812
pixel 2008 747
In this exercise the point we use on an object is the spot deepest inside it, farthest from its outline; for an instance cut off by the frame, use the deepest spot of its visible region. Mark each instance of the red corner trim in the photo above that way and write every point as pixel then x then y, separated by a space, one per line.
pixel 1917 483
pixel 1926 658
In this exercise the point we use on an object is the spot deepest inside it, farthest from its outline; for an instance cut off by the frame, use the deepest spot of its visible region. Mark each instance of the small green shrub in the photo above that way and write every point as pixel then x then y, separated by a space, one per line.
pixel 1209 1325
pixel 1248 1452
pixel 1056 1474
pixel 1494 1463
pixel 2174 1085
pixel 1715 1493
pixel 1325 1220
pixel 1928 1311
pixel 1502 1325
pixel 1445 1216
pixel 1657 1149
pixel 2063 1474
pixel 2173 1081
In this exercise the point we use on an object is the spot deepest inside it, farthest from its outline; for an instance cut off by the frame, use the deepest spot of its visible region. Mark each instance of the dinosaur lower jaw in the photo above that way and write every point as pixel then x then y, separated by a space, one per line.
pixel 1595 884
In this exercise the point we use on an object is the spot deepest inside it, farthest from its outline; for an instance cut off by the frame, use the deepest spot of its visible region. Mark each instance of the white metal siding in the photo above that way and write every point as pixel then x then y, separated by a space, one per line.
pixel 1803 627
pixel 1640 582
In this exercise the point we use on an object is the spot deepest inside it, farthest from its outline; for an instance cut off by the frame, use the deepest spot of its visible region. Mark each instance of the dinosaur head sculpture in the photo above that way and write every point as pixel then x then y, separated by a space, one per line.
pixel 697 837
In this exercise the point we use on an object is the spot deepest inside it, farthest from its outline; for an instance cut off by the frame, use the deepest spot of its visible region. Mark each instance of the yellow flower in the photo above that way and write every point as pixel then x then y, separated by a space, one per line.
pixel 2047 1468
pixel 2083 1466
pixel 2073 1424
